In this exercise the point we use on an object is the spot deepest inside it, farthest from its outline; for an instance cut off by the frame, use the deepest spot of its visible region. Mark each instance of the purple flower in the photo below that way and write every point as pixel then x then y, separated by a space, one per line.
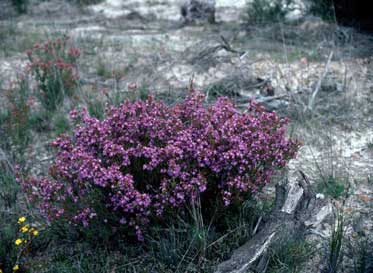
pixel 146 158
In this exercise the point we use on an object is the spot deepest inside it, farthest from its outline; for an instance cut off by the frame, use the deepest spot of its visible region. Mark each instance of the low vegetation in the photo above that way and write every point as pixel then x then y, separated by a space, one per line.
pixel 110 176
pixel 54 66
pixel 118 179
pixel 324 9
pixel 265 12
pixel 20 5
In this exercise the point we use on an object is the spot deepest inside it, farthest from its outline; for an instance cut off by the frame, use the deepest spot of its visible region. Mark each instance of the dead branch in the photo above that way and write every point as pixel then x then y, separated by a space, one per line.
pixel 318 86
pixel 295 204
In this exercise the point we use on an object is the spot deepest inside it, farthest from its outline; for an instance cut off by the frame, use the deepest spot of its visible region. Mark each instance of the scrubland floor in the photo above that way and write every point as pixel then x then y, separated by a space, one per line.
pixel 143 44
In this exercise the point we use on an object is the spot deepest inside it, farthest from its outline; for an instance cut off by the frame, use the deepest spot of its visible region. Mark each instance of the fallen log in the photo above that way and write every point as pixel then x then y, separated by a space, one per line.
pixel 296 209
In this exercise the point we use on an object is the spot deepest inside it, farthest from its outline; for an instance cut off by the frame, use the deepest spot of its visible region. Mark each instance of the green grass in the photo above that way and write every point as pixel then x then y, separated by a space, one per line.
pixel 139 93
pixel 40 121
pixel 370 146
pixel 8 206
pixel 289 255
pixel 332 186
pixel 8 188
pixel 186 245
pixel 96 108
pixel 61 124
pixel 8 233
pixel 14 40
pixel 103 69
pixel 264 12
pixel 334 254
pixel 362 255
pixel 15 120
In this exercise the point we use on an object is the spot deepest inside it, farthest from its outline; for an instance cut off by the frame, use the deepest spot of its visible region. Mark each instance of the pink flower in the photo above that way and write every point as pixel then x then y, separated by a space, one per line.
pixel 146 158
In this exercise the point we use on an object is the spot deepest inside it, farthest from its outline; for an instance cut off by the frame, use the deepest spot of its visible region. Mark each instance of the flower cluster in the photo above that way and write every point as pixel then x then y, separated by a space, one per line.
pixel 54 66
pixel 146 159
pixel 26 234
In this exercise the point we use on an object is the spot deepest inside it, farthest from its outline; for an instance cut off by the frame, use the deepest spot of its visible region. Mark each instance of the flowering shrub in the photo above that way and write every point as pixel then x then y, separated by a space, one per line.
pixel 54 66
pixel 13 251
pixel 15 122
pixel 147 159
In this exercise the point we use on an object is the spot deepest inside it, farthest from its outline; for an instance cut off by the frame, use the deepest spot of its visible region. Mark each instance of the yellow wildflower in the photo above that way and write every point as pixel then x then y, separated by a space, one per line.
pixel 18 242
pixel 24 229
pixel 35 232
pixel 16 267
pixel 1 271
pixel 21 220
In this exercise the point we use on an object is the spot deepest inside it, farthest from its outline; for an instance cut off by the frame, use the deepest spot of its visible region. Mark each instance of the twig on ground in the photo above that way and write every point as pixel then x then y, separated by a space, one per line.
pixel 208 52
pixel 228 47
pixel 318 86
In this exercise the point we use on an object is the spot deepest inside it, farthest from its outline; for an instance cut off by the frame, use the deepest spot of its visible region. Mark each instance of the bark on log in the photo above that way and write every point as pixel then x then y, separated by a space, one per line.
pixel 295 207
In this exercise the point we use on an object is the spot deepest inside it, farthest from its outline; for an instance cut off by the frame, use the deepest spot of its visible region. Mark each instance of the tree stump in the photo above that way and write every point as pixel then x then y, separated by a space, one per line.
pixel 296 209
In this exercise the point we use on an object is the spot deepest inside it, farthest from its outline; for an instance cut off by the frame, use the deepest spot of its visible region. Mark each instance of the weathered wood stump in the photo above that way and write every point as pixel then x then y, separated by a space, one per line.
pixel 296 209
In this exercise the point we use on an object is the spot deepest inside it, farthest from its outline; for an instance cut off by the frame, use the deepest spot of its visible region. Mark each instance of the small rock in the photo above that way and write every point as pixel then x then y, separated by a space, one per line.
pixel 272 104
pixel 320 196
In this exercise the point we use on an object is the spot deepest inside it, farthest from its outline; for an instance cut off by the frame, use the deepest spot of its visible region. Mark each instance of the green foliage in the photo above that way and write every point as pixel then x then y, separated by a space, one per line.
pixel 370 146
pixel 61 123
pixel 81 258
pixel 334 254
pixel 96 108
pixel 14 39
pixel 6 32
pixel 54 67
pixel 95 100
pixel 8 227
pixel 264 12
pixel 14 120
pixel 115 97
pixel 187 245
pixel 8 189
pixel 143 92
pixel 135 92
pixel 103 70
pixel 8 234
pixel 40 121
pixel 362 256
pixel 332 186
pixel 289 255
pixel 323 8
pixel 20 5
